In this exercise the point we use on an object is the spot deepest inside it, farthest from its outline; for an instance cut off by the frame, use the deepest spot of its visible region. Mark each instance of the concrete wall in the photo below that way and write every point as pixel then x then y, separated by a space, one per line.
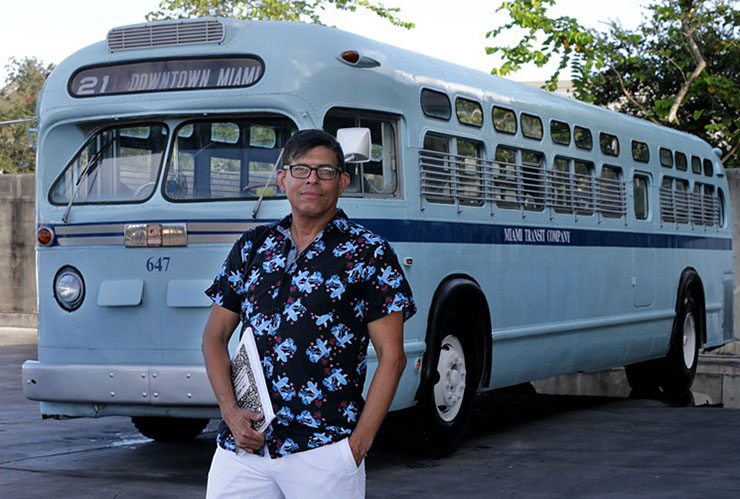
pixel 733 179
pixel 17 245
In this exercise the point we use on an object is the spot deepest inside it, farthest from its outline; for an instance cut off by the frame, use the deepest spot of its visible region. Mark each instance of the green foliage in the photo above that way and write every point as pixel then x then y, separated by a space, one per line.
pixel 277 10
pixel 18 101
pixel 680 67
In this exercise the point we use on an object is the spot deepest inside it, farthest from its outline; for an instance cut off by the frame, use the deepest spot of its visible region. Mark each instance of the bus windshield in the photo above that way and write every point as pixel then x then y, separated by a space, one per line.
pixel 118 164
pixel 226 158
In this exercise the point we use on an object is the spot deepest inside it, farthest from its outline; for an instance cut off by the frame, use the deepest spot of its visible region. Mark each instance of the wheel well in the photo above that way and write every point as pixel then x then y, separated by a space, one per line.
pixel 462 296
pixel 692 285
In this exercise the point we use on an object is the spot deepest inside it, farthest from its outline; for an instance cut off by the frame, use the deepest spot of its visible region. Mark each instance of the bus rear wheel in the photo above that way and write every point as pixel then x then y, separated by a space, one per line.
pixel 673 375
pixel 169 429
pixel 683 354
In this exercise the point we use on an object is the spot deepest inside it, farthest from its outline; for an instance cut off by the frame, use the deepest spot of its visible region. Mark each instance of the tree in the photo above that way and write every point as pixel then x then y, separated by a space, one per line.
pixel 18 101
pixel 680 67
pixel 277 10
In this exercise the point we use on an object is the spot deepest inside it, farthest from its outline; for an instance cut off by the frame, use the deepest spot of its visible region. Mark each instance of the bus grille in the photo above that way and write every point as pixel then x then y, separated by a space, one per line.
pixel 169 34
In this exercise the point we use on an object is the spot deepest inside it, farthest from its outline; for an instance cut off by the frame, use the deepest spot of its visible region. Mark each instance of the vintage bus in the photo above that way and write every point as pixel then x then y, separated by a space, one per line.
pixel 540 235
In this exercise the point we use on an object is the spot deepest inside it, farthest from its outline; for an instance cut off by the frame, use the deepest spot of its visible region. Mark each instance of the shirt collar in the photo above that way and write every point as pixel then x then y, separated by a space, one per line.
pixel 340 221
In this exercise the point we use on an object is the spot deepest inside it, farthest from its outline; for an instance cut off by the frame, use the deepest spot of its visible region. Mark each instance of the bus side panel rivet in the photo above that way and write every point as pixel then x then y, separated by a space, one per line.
pixel 155 395
pixel 190 395
pixel 112 394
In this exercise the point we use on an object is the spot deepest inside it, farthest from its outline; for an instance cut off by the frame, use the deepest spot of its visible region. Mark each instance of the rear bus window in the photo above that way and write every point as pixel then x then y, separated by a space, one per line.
pixel 708 167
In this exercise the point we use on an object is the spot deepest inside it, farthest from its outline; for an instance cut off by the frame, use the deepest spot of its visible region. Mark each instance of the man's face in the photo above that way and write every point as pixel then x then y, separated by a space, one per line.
pixel 313 198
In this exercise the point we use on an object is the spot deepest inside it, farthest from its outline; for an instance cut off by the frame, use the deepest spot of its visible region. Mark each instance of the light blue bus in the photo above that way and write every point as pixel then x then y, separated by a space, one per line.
pixel 540 235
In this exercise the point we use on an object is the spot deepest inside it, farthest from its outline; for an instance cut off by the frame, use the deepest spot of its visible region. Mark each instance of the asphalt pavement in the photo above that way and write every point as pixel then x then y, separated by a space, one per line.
pixel 520 445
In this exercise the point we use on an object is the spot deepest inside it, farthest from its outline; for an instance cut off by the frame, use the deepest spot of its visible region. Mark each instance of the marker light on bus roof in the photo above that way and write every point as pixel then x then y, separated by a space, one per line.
pixel 355 59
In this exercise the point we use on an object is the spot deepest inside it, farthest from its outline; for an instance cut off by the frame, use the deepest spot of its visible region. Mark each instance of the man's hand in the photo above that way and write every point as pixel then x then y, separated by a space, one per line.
pixel 359 448
pixel 240 422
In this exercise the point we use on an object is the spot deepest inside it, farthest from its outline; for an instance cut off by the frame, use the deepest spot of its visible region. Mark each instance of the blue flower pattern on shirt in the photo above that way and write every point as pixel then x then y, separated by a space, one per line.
pixel 309 314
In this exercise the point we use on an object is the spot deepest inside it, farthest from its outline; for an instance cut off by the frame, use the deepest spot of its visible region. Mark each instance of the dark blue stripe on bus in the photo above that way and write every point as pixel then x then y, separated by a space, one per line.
pixel 420 231
pixel 413 231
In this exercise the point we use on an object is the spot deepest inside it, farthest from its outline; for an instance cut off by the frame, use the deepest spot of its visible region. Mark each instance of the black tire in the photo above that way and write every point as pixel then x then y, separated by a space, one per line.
pixel 169 429
pixel 674 374
pixel 438 423
pixel 644 379
pixel 680 364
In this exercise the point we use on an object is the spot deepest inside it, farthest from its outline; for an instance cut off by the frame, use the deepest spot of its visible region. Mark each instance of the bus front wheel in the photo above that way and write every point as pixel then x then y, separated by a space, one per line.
pixel 440 419
pixel 169 429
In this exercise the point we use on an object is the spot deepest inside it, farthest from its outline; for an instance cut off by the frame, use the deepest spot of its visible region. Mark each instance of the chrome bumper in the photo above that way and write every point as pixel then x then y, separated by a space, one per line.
pixel 118 384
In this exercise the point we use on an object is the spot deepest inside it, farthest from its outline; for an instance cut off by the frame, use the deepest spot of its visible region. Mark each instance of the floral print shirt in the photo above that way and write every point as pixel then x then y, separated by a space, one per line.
pixel 309 314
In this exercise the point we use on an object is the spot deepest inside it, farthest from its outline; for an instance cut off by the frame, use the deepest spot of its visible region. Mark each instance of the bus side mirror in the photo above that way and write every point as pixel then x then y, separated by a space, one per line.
pixel 355 143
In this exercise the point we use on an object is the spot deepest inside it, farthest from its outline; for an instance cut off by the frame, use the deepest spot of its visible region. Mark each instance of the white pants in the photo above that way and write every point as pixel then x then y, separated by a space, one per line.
pixel 326 472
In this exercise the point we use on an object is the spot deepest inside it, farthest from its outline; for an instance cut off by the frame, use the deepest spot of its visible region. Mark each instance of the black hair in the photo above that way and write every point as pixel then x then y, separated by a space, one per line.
pixel 305 140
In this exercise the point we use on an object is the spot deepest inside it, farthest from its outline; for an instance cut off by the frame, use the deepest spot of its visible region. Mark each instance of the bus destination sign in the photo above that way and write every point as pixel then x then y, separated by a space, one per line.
pixel 166 75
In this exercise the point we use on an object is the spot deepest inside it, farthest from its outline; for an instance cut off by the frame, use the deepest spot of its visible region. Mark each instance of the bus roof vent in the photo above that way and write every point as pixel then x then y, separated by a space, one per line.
pixel 165 34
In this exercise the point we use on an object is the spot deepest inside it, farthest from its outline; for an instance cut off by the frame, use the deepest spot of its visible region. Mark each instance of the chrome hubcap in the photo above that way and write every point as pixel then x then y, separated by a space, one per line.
pixel 450 389
pixel 689 340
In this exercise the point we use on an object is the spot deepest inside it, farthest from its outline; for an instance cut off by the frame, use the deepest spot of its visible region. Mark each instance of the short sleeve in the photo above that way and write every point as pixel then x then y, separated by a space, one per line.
pixel 386 290
pixel 228 285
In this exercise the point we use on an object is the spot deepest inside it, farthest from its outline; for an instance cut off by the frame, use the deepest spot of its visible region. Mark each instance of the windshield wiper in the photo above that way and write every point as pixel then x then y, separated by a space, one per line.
pixel 89 169
pixel 264 189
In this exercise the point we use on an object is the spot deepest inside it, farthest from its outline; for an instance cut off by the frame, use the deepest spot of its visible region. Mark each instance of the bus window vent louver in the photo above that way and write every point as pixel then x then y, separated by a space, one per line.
pixel 169 34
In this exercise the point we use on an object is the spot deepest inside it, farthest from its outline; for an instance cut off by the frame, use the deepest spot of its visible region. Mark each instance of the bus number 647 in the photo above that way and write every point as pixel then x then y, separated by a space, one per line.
pixel 160 264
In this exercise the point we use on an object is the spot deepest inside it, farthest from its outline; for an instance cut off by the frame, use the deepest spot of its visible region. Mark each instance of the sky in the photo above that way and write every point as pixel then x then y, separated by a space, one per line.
pixel 50 30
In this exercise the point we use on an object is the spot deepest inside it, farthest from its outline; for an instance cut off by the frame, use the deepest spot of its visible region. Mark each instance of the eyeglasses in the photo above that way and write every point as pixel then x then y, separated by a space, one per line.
pixel 324 172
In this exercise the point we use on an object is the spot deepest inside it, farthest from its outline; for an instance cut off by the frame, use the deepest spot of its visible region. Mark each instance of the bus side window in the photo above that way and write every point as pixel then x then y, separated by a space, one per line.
pixel 435 169
pixel 641 200
pixel 667 213
pixel 451 170
pixel 611 193
pixel 696 201
pixel 681 199
pixel 710 205
pixel 505 179
pixel 380 174
pixel 584 190
pixel 470 179
pixel 695 165
pixel 533 192
pixel 561 186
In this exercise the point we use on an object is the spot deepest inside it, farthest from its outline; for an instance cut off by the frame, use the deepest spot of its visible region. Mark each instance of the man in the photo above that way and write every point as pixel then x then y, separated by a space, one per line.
pixel 314 287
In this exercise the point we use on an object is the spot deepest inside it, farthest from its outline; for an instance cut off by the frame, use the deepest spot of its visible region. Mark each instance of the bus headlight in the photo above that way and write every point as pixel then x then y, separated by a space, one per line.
pixel 69 288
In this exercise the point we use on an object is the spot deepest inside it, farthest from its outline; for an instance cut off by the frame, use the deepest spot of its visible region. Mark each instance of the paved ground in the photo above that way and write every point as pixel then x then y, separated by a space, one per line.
pixel 524 446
